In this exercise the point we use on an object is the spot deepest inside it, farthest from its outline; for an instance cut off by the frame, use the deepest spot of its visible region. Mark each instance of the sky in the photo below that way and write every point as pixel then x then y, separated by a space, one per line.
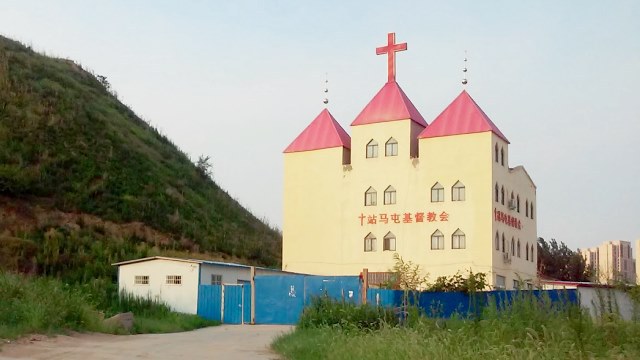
pixel 239 80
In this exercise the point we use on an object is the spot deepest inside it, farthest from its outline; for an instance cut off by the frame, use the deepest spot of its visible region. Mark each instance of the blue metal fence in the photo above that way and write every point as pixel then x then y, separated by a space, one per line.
pixel 210 302
pixel 280 299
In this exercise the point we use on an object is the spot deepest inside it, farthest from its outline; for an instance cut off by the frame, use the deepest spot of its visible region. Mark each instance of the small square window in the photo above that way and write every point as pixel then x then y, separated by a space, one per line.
pixel 141 280
pixel 216 279
pixel 174 279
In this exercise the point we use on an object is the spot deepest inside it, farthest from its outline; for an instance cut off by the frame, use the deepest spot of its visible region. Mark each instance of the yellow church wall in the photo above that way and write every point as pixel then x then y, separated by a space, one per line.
pixel 402 174
pixel 516 181
pixel 447 160
pixel 312 210
pixel 326 220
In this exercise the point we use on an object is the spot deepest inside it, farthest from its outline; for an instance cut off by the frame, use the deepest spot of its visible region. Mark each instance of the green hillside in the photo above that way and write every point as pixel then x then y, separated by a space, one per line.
pixel 84 181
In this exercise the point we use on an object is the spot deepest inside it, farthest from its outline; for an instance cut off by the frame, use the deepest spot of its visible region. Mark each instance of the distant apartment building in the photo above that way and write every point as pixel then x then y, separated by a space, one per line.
pixel 611 262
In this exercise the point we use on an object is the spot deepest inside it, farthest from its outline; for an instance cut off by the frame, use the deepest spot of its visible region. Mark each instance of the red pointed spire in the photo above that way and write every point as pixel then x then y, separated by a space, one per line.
pixel 389 104
pixel 324 132
pixel 462 116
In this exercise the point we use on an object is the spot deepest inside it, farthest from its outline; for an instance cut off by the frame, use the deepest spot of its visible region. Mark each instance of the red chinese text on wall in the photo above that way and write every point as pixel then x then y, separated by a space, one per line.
pixel 506 219
pixel 405 218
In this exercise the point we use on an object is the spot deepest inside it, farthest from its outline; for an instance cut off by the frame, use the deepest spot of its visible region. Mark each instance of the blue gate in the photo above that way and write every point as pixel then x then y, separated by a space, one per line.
pixel 233 304
pixel 280 299
pixel 230 304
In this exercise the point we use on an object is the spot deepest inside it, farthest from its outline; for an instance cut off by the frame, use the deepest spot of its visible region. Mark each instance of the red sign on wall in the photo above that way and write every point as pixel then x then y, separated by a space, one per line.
pixel 404 218
pixel 506 219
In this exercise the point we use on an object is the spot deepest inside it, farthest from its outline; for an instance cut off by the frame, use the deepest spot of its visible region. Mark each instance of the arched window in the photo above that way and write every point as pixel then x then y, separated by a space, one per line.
pixel 503 244
pixel 527 252
pixel 531 212
pixel 369 243
pixel 518 203
pixel 502 156
pixel 526 208
pixel 437 240
pixel 513 247
pixel 497 241
pixel 390 196
pixel 458 240
pixel 370 197
pixel 372 149
pixel 496 150
pixel 502 195
pixel 497 195
pixel 437 193
pixel 389 242
pixel 518 247
pixel 391 148
pixel 458 192
pixel 532 247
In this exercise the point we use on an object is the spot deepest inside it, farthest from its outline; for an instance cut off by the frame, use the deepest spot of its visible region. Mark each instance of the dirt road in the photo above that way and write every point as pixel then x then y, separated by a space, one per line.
pixel 218 342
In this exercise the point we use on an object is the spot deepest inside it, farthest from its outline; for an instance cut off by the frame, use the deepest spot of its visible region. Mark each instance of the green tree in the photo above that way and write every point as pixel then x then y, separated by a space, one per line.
pixel 557 261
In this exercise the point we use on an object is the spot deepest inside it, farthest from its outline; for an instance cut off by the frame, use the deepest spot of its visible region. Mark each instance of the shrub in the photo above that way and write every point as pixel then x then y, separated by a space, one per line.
pixel 324 311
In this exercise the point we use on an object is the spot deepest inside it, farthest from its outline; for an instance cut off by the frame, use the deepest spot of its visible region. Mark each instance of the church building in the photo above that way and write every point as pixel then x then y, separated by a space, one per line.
pixel 440 194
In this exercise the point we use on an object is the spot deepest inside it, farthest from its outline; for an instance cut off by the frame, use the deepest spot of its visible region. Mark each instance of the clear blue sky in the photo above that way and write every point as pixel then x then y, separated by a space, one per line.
pixel 239 80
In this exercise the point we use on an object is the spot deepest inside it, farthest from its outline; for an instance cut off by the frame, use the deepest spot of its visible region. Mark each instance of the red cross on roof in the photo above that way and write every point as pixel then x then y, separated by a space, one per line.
pixel 391 50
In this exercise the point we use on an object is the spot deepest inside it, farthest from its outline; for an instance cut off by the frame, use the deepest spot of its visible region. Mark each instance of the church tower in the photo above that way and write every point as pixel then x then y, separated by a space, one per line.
pixel 441 195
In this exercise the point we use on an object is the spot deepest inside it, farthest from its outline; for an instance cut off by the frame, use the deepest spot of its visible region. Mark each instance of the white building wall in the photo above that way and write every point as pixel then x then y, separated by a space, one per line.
pixel 230 274
pixel 180 298
pixel 599 301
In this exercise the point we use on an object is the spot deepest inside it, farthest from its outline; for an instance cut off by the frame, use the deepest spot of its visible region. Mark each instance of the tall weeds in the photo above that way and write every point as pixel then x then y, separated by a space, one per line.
pixel 523 326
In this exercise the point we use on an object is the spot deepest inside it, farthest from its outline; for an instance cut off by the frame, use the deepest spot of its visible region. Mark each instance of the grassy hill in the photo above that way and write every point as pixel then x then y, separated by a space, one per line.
pixel 84 181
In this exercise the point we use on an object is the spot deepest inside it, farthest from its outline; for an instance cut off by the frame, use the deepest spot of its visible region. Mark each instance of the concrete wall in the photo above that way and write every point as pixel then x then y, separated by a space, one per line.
pixel 181 298
pixel 599 301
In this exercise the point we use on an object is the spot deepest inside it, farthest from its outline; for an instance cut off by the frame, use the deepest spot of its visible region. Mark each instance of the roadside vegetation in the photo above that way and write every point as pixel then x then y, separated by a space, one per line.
pixel 48 306
pixel 84 183
pixel 527 328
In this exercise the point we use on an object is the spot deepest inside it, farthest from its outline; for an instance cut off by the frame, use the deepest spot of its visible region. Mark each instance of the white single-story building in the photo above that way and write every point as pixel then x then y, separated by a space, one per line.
pixel 596 298
pixel 175 281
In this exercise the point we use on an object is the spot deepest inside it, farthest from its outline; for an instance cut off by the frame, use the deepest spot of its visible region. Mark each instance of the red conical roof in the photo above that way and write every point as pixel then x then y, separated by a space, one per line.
pixel 389 104
pixel 323 132
pixel 462 116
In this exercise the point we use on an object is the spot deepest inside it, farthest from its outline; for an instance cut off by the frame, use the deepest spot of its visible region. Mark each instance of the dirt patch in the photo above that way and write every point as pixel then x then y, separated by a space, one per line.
pixel 219 342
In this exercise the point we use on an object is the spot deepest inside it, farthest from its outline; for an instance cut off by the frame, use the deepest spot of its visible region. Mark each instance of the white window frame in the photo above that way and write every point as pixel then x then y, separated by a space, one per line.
pixel 458 240
pixel 437 193
pixel 216 279
pixel 389 243
pixel 390 195
pixel 372 149
pixel 437 240
pixel 391 147
pixel 173 280
pixel 141 280
pixel 370 197
pixel 501 282
pixel 458 192
pixel 370 243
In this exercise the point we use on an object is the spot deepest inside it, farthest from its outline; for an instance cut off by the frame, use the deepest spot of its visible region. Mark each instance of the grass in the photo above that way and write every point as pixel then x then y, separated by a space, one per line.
pixel 68 143
pixel 48 306
pixel 524 329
